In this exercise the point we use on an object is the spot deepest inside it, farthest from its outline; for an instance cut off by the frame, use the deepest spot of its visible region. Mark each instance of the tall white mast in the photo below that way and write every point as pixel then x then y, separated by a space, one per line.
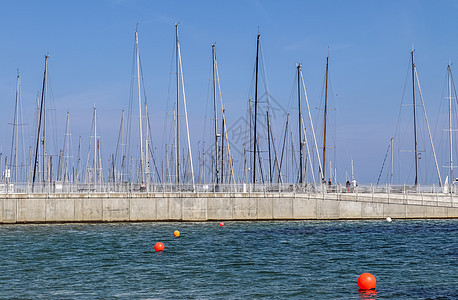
pixel 78 162
pixel 16 129
pixel 299 66
pixel 67 142
pixel 122 146
pixel 223 115
pixel 216 115
pixel 429 130
pixel 177 127
pixel 391 169
pixel 414 119
pixel 142 169
pixel 450 122
pixel 147 163
pixel 352 171
pixel 95 147
pixel 185 115
pixel 311 124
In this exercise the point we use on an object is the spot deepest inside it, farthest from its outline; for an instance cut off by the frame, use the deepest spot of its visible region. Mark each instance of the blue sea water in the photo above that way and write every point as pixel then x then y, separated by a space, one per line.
pixel 411 259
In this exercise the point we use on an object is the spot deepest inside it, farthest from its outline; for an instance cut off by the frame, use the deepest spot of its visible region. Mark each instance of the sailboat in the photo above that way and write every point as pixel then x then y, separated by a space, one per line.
pixel 135 170
pixel 303 140
pixel 255 131
pixel 450 188
pixel 323 169
pixel 41 136
pixel 14 143
pixel 219 149
pixel 416 147
pixel 180 175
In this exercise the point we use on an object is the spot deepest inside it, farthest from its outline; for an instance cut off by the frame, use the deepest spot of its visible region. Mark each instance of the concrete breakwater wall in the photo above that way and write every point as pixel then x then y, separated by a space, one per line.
pixel 137 207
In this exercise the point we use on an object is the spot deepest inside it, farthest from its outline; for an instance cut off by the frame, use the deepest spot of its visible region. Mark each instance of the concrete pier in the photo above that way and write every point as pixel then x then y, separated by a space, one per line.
pixel 145 207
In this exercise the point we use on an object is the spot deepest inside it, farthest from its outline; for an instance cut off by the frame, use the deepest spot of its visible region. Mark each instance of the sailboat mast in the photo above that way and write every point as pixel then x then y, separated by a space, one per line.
pixel 43 96
pixel 414 119
pixel 268 142
pixel 177 128
pixel 44 118
pixel 224 135
pixel 255 111
pixel 142 168
pixel 287 137
pixel 95 146
pixel 215 114
pixel 186 177
pixel 222 148
pixel 391 169
pixel 299 120
pixel 78 165
pixel 122 145
pixel 325 121
pixel 450 121
pixel 285 143
pixel 16 129
pixel 352 171
pixel 146 169
pixel 67 142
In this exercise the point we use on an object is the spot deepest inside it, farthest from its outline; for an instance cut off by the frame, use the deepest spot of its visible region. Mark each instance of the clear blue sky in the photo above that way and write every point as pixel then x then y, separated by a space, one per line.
pixel 91 46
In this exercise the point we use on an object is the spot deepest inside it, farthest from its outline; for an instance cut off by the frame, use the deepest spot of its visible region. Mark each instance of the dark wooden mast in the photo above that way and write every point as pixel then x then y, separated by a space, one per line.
pixel 43 96
pixel 325 121
pixel 255 111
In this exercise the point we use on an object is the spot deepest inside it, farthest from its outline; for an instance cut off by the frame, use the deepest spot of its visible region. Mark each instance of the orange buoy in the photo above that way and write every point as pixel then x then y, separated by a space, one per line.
pixel 221 224
pixel 159 247
pixel 176 233
pixel 366 281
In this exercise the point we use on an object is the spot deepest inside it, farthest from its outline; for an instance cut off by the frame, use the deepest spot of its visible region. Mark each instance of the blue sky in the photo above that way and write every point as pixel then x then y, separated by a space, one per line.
pixel 91 45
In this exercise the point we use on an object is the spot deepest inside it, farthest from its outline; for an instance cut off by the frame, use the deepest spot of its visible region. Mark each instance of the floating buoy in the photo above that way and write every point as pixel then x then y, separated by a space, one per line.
pixel 221 224
pixel 366 281
pixel 159 247
pixel 176 233
pixel 388 219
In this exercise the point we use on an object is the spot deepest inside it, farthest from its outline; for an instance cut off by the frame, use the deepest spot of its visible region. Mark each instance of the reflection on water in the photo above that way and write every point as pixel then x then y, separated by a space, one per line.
pixel 367 294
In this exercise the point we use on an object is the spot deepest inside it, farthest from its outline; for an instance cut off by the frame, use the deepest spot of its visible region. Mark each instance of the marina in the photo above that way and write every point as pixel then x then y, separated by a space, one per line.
pixel 266 187
pixel 133 189
pixel 228 150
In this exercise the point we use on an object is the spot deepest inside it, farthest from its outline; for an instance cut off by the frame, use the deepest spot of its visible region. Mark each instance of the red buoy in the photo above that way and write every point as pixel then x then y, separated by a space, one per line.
pixel 366 281
pixel 221 224
pixel 159 247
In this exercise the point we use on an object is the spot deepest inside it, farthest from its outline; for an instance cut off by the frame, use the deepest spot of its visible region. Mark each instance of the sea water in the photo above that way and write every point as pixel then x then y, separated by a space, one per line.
pixel 411 259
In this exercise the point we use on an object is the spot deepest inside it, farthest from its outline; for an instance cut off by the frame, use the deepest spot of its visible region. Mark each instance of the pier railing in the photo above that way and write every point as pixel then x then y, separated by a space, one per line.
pixel 130 187
pixel 401 194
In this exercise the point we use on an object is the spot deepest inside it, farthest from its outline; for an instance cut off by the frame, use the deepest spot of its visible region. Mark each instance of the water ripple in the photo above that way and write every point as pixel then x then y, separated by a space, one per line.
pixel 415 259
